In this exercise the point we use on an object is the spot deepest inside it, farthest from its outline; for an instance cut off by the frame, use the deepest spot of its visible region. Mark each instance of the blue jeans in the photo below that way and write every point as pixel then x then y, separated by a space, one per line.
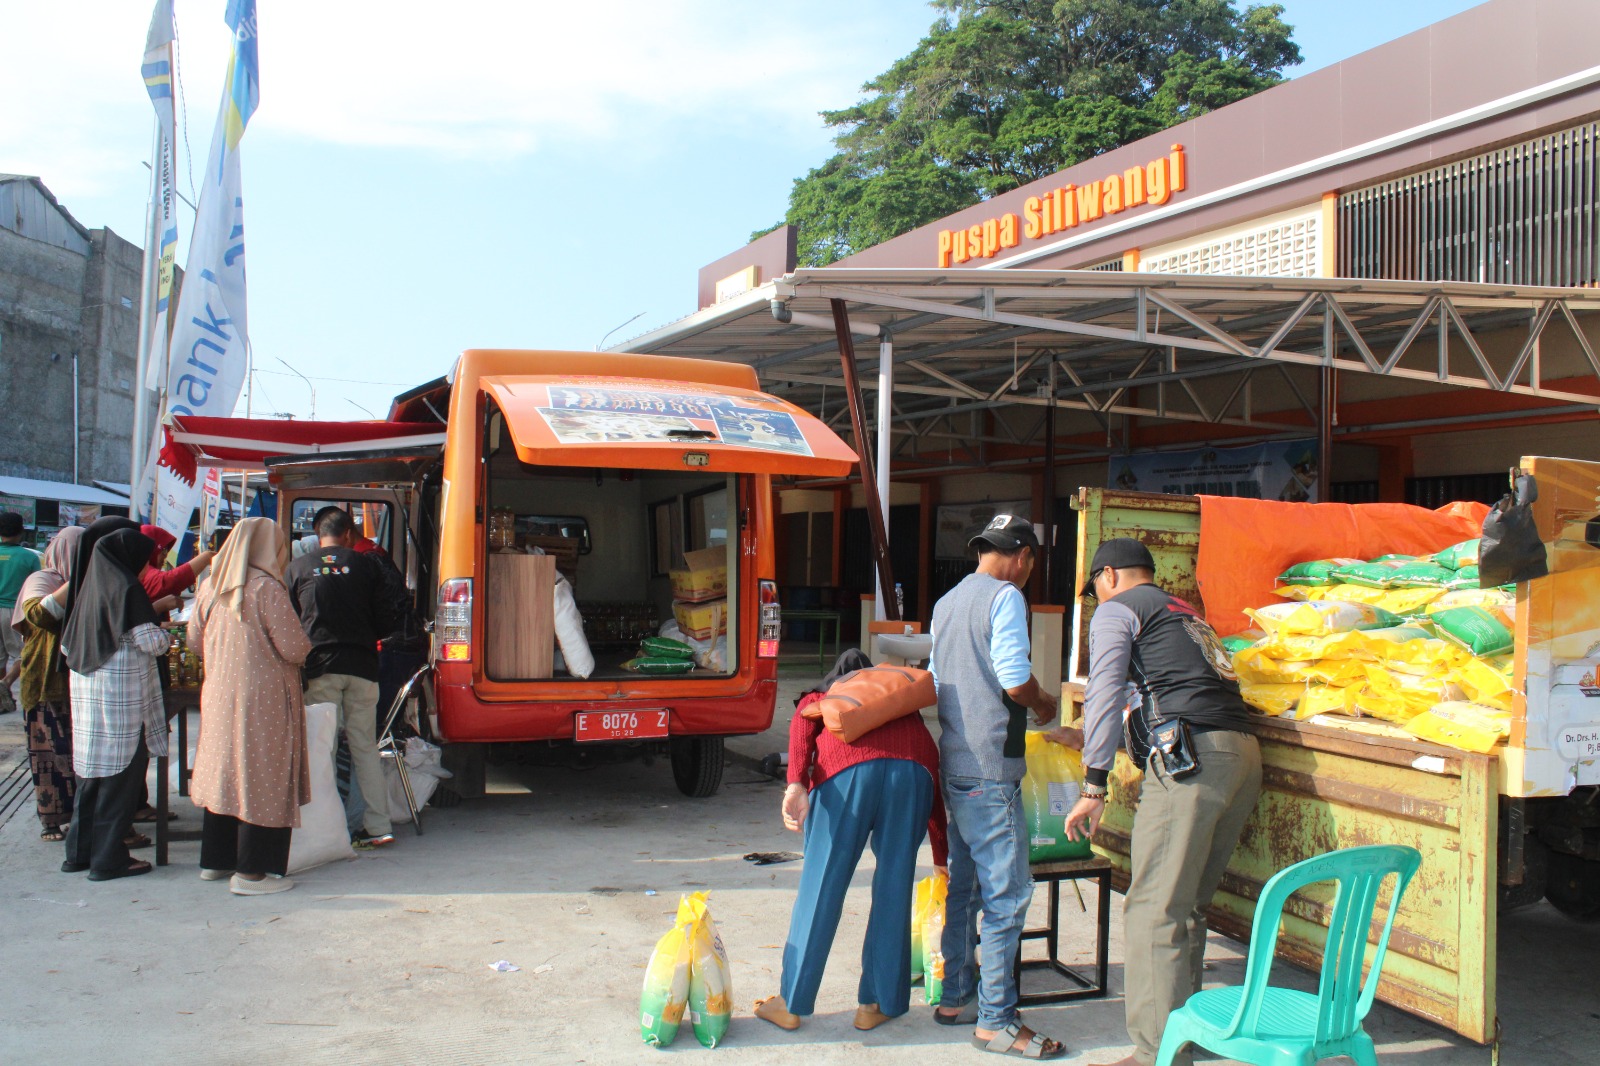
pixel 884 802
pixel 988 872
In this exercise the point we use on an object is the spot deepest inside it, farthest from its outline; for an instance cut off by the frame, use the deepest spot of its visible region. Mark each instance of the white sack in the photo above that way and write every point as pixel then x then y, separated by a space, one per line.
pixel 569 631
pixel 423 763
pixel 323 835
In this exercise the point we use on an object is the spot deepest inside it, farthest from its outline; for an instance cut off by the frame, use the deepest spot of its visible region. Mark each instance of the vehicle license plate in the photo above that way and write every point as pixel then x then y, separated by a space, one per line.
pixel 621 725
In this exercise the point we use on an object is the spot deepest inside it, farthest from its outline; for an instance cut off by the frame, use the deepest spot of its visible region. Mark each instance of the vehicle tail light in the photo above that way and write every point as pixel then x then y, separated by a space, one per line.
pixel 453 620
pixel 771 621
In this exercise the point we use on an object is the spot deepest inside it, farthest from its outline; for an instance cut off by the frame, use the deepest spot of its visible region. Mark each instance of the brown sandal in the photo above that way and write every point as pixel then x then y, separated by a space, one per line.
pixel 53 836
pixel 136 840
pixel 777 1013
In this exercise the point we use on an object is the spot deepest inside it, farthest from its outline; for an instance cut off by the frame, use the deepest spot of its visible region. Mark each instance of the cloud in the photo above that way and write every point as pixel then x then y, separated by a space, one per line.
pixel 474 79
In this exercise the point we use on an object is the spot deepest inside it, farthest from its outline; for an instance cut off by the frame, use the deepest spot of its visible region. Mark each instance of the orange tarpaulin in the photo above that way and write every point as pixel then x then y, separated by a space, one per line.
pixel 1246 544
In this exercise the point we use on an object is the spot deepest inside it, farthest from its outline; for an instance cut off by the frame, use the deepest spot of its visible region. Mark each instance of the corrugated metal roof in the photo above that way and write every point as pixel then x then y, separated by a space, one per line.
pixel 64 491
pixel 31 210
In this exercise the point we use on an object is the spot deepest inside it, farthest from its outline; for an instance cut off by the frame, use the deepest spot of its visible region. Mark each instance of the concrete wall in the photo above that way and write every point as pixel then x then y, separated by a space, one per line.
pixel 55 302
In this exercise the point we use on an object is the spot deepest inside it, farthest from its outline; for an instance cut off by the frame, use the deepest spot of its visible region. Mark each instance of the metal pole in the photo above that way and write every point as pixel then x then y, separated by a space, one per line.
pixel 885 392
pixel 1049 515
pixel 75 478
pixel 869 477
pixel 149 282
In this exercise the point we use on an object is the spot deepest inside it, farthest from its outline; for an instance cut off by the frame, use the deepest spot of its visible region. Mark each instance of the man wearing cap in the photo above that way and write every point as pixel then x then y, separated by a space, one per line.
pixel 982 670
pixel 1189 818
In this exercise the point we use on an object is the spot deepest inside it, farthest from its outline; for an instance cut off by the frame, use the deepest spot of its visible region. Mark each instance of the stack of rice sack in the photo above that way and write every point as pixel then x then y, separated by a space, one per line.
pixel 1412 641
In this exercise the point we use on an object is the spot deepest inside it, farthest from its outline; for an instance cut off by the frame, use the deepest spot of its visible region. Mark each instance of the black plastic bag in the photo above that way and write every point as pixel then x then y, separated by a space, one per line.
pixel 1511 549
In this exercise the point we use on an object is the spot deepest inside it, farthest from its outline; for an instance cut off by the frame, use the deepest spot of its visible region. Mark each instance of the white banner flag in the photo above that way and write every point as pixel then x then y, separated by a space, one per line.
pixel 207 363
pixel 157 71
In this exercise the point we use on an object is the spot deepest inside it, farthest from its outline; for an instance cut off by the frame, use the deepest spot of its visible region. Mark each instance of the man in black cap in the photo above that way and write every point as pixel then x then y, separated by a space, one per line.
pixel 982 668
pixel 1188 730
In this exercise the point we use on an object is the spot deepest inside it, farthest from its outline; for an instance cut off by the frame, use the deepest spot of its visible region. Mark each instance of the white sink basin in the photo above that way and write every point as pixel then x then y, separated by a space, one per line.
pixel 903 649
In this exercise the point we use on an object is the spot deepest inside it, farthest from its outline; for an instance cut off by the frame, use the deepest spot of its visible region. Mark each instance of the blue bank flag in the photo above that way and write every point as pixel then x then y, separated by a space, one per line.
pixel 157 72
pixel 207 363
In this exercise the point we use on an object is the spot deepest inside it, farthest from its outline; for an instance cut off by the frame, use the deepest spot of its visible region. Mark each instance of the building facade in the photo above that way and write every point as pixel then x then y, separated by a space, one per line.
pixel 69 334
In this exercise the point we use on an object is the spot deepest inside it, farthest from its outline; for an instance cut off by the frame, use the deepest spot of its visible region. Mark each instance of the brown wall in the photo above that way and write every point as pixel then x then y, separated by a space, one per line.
pixel 773 256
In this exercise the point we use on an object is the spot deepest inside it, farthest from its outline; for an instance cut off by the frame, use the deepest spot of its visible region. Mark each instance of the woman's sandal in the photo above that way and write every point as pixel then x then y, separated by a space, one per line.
pixel 53 836
pixel 136 840
pixel 1004 1042
pixel 150 814
pixel 966 1015
pixel 869 1017
pixel 776 1011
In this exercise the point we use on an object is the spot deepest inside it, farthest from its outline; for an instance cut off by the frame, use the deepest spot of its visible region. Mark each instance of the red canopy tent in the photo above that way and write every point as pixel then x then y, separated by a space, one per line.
pixel 245 443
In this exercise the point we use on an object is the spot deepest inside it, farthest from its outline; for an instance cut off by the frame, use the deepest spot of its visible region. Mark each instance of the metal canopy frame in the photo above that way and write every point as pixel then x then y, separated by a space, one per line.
pixel 1097 344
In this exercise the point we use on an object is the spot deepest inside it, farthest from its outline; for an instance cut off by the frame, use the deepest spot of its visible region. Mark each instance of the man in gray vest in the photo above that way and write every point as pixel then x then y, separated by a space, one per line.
pixel 986 687
pixel 1188 730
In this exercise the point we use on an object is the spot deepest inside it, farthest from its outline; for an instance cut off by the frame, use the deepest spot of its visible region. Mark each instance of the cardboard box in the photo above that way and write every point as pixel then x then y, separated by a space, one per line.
pixel 702 621
pixel 704 578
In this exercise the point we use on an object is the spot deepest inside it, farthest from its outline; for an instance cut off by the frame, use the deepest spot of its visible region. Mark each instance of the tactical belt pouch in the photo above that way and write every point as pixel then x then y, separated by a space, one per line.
pixel 1174 742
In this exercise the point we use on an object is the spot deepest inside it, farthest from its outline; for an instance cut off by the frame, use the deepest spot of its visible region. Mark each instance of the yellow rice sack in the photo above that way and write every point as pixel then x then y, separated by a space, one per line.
pixel 1321 617
pixel 1468 726
pixel 1398 697
pixel 1324 699
pixel 1485 684
pixel 710 975
pixel 1343 593
pixel 1273 700
pixel 1499 600
pixel 1408 601
pixel 666 987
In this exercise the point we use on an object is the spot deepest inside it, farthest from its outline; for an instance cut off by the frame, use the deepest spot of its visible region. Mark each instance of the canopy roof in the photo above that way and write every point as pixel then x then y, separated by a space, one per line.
pixel 1240 353
pixel 245 443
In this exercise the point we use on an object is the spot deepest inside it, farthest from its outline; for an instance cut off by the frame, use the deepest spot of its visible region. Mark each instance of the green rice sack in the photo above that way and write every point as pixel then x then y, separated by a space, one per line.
pixel 665 648
pixel 1395 573
pixel 1315 572
pixel 1458 555
pixel 1395 558
pixel 648 665
pixel 1475 629
pixel 1465 578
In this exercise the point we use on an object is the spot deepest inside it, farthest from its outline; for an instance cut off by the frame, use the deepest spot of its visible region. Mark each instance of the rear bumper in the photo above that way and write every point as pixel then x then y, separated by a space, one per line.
pixel 465 718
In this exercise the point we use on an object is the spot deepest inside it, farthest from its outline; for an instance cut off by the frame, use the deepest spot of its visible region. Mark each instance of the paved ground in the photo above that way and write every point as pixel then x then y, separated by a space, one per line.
pixel 387 958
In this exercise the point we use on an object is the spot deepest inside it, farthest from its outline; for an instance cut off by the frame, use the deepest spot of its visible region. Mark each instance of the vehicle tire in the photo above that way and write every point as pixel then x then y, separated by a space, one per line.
pixel 1574 887
pixel 697 765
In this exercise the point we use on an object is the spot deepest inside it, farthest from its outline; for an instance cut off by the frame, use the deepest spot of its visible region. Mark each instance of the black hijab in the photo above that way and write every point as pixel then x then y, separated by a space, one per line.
pixel 100 527
pixel 851 660
pixel 111 601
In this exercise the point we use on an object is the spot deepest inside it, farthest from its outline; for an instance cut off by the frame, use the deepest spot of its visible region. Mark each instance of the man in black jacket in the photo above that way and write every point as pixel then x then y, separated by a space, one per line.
pixel 344 602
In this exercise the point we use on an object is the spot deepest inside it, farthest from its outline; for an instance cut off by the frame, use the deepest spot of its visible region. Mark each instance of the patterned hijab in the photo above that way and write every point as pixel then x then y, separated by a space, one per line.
pixel 254 544
pixel 55 570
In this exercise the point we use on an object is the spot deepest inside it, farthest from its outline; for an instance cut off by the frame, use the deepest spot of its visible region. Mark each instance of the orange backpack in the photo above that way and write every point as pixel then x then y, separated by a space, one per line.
pixel 862 701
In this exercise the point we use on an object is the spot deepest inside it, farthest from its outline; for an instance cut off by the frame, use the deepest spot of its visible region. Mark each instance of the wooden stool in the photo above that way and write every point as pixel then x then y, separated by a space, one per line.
pixel 1053 873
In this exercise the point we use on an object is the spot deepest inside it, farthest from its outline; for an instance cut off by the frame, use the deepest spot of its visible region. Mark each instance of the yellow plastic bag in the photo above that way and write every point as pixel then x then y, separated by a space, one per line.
pixel 1345 593
pixel 1494 599
pixel 1255 667
pixel 1053 784
pixel 666 986
pixel 1321 617
pixel 927 925
pixel 1398 697
pixel 1408 601
pixel 1273 700
pixel 1295 647
pixel 710 976
pixel 1323 699
pixel 1485 684
pixel 1468 726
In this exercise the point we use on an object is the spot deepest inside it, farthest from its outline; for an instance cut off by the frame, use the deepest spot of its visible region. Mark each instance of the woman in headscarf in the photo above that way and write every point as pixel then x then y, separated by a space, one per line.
pixel 41 604
pixel 878 788
pixel 111 642
pixel 100 527
pixel 251 772
pixel 160 584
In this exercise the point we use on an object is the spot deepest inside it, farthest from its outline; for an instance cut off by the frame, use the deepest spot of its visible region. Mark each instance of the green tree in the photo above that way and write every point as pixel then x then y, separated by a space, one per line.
pixel 1004 92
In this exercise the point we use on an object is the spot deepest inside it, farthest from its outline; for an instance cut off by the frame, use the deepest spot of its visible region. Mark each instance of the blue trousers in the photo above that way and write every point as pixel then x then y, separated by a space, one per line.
pixel 886 802
pixel 988 873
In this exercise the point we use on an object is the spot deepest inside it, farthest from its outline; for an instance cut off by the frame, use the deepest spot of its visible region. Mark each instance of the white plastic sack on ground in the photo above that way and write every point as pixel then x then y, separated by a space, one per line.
pixel 322 836
pixel 423 765
pixel 569 631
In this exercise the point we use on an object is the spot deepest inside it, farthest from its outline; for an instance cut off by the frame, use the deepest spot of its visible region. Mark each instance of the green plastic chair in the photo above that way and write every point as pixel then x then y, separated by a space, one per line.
pixel 1257 1023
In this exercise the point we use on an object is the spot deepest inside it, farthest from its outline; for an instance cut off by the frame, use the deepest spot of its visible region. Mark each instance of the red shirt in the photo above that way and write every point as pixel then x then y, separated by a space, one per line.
pixel 159 583
pixel 816 755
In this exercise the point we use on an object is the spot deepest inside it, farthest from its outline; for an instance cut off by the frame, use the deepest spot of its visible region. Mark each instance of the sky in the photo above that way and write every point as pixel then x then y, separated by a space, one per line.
pixel 424 178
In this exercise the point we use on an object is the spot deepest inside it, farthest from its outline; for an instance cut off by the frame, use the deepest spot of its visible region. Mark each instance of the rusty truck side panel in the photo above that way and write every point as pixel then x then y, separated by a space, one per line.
pixel 1325 788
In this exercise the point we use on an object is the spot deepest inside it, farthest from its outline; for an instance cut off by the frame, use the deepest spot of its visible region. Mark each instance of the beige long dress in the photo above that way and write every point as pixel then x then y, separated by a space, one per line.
pixel 251 762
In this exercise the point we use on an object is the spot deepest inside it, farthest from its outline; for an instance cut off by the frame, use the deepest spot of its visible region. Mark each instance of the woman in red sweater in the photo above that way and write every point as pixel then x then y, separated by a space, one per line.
pixel 881 789
pixel 167 585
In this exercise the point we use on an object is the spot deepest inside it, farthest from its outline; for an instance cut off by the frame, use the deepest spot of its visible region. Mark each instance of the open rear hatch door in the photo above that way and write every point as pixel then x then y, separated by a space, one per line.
pixel 650 424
